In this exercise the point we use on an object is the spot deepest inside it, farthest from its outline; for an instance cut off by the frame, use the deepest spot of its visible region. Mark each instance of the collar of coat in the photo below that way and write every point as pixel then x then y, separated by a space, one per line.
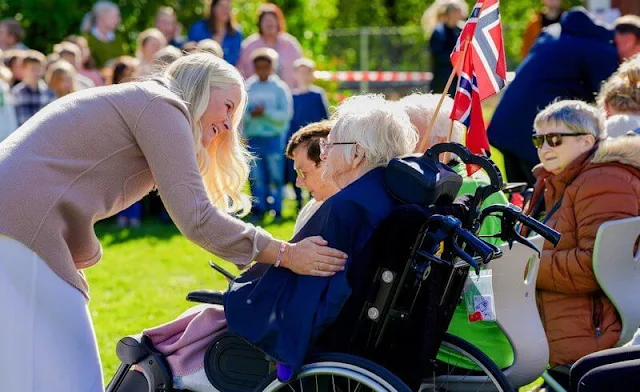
pixel 624 150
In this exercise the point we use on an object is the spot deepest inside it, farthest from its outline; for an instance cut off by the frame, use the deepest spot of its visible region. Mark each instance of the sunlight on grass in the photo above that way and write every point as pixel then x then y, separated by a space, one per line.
pixel 144 277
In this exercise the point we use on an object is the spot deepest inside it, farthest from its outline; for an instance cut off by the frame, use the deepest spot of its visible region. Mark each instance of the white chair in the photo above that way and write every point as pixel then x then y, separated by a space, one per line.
pixel 617 270
pixel 514 290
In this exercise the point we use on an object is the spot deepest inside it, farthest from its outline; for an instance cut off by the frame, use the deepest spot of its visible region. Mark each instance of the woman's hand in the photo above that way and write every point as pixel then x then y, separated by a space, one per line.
pixel 312 256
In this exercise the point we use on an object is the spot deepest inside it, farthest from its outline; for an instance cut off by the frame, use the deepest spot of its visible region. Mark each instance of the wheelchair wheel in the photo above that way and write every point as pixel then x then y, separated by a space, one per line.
pixel 449 375
pixel 338 372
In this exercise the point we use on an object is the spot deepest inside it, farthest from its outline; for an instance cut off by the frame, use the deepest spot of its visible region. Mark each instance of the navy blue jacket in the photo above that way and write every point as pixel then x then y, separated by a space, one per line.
pixel 283 313
pixel 567 63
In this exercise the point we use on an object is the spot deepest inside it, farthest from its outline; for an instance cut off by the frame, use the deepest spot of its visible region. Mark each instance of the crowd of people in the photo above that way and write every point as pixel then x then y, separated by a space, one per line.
pixel 578 115
pixel 282 97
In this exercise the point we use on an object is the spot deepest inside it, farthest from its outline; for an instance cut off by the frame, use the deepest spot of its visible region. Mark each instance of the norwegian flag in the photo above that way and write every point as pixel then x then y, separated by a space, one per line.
pixel 483 72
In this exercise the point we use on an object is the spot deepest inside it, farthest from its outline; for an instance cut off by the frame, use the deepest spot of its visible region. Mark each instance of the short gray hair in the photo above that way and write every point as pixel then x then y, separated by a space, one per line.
pixel 577 116
pixel 422 107
pixel 380 127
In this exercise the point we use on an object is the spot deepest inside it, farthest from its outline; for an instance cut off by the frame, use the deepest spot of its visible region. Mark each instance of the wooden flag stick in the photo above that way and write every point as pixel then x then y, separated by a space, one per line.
pixel 456 69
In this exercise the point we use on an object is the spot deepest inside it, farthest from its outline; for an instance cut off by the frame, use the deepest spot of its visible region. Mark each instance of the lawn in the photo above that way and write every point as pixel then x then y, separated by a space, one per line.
pixel 144 277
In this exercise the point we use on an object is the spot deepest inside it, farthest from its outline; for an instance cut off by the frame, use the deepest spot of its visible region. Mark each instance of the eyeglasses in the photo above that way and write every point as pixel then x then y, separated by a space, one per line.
pixel 326 145
pixel 553 139
pixel 299 173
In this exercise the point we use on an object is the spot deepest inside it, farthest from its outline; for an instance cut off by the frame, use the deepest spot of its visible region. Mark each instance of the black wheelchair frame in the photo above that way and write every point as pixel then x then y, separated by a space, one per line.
pixel 389 336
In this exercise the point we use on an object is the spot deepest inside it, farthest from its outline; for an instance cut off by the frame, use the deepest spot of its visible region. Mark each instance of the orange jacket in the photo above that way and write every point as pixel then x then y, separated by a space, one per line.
pixel 597 187
pixel 531 33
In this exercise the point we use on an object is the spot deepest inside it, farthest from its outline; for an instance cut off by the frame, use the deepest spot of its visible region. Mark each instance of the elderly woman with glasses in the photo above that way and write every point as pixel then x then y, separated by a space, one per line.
pixel 279 312
pixel 582 182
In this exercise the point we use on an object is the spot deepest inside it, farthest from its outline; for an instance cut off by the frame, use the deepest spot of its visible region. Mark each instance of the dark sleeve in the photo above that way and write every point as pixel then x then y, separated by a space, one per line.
pixel 598 68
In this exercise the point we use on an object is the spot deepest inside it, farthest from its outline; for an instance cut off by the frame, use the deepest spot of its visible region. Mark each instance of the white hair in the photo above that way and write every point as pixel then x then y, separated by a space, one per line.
pixel 380 127
pixel 90 18
pixel 422 107
pixel 576 116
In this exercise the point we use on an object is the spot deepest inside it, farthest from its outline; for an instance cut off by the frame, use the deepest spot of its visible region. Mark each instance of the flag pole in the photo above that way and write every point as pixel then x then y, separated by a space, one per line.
pixel 454 71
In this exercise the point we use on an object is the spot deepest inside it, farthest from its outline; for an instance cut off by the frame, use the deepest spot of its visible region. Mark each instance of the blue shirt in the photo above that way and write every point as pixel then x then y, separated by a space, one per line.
pixel 230 43
pixel 308 107
pixel 274 95
pixel 283 313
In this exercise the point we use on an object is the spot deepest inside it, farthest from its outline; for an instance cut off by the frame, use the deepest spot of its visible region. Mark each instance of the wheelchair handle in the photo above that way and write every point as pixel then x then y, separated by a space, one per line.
pixel 469 158
pixel 545 231
pixel 481 248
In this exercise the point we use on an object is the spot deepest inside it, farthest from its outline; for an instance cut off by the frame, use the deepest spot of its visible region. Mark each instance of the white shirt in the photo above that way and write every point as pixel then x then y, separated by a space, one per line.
pixel 306 213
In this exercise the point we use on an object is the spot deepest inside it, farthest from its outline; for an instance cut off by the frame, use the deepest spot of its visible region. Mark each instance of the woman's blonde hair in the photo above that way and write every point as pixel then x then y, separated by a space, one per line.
pixel 621 92
pixel 225 165
pixel 576 116
pixel 58 69
pixel 382 128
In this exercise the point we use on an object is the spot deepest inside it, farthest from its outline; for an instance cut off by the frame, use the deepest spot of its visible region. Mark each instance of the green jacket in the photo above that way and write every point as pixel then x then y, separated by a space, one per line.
pixel 104 51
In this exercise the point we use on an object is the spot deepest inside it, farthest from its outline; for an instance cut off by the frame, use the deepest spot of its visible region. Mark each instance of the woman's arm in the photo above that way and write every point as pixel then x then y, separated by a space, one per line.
pixel 164 135
pixel 571 270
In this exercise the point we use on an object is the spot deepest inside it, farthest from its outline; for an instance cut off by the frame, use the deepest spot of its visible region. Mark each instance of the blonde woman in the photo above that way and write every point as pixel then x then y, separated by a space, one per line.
pixel 178 133
pixel 619 98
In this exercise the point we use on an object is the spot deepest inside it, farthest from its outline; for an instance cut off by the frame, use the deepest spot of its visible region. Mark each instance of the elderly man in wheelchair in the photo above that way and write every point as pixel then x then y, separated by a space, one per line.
pixel 379 324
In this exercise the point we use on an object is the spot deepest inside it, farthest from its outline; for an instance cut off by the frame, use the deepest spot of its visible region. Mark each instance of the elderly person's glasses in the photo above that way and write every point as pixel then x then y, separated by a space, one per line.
pixel 553 139
pixel 326 145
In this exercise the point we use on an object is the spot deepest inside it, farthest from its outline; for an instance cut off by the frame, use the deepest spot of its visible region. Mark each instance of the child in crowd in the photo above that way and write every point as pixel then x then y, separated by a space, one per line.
pixel 72 54
pixel 11 35
pixel 13 61
pixel 309 106
pixel 32 94
pixel 150 42
pixel 87 66
pixel 211 46
pixel 100 28
pixel 8 122
pixel 60 78
pixel 166 55
pixel 266 121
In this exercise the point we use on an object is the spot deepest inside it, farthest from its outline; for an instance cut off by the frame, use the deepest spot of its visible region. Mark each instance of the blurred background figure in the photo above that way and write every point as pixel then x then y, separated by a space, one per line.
pixel 211 46
pixel 266 122
pixel 166 56
pixel 570 60
pixel 627 36
pixel 11 35
pixel 100 27
pixel 149 43
pixel 272 33
pixel 60 78
pixel 221 27
pixel 32 94
pixel 13 61
pixel 166 21
pixel 87 66
pixel 8 122
pixel 190 47
pixel 124 69
pixel 619 99
pixel 72 54
pixel 548 15
pixel 445 33
pixel 310 105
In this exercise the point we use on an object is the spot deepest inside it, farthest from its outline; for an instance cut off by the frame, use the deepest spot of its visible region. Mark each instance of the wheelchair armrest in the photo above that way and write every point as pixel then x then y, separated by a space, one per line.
pixel 206 296
pixel 131 350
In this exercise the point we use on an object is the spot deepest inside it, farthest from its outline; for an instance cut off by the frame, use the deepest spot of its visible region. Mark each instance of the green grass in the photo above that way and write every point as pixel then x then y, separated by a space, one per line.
pixel 144 277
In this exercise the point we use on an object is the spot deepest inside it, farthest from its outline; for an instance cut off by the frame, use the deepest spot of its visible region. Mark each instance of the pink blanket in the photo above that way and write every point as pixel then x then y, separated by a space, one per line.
pixel 184 340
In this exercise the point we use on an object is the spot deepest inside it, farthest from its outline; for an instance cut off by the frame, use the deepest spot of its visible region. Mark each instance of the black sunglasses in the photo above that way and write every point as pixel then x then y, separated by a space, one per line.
pixel 553 139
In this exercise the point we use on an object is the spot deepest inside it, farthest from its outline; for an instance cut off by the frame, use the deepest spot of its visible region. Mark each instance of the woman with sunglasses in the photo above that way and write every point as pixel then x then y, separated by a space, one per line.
pixel 581 183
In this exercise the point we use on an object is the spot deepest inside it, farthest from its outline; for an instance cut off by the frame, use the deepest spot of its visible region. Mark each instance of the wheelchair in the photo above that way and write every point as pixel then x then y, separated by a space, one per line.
pixel 422 256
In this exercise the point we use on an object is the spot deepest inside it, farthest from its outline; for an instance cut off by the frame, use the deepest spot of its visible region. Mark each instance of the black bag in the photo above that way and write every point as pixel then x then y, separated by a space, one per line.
pixel 421 180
